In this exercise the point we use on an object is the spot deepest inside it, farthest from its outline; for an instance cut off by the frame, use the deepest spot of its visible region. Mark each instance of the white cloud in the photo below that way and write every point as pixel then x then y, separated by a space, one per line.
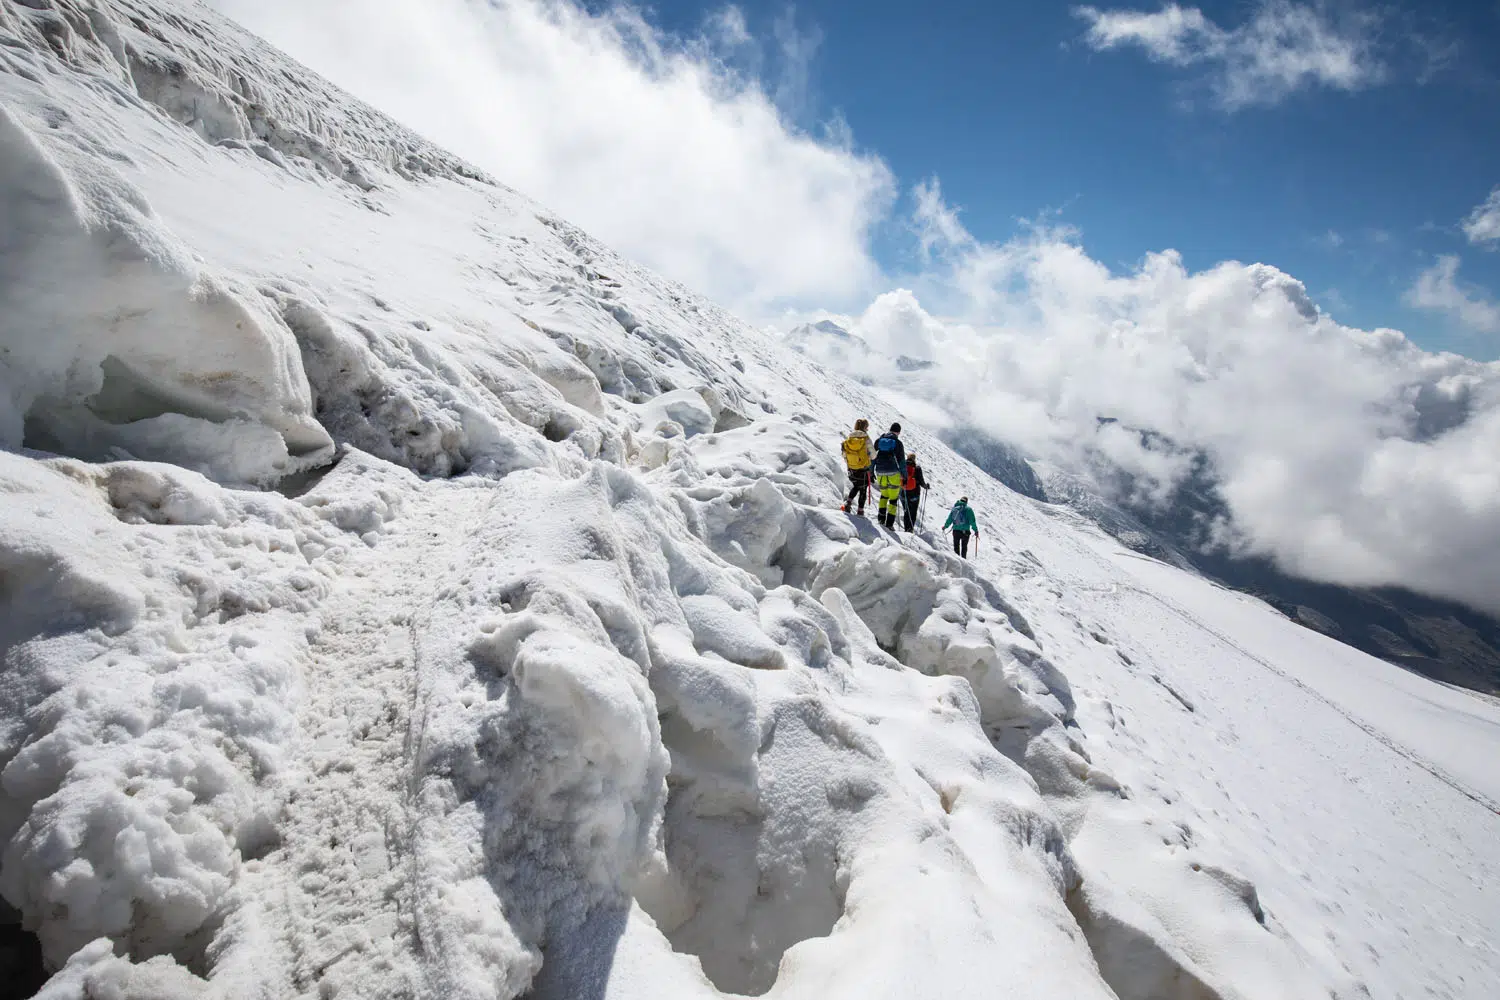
pixel 896 325
pixel 1347 455
pixel 1439 289
pixel 1173 34
pixel 1483 224
pixel 654 144
pixel 728 27
pixel 1284 47
pixel 936 224
pixel 797 49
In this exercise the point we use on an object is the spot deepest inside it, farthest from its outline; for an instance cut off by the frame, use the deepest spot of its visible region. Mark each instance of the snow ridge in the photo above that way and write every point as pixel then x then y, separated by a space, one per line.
pixel 549 667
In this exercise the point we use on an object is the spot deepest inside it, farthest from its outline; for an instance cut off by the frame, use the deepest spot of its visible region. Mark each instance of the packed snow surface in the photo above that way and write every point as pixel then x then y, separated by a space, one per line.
pixel 401 595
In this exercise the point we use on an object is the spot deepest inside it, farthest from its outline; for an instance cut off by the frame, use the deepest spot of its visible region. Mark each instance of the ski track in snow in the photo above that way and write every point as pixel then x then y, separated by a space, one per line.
pixel 566 679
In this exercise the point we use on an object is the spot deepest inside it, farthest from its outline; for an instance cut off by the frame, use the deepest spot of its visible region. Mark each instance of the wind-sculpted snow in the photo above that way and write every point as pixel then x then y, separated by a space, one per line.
pixel 560 675
pixel 121 343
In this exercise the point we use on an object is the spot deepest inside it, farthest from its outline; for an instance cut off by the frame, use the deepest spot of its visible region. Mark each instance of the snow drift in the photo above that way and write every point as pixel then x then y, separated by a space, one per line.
pixel 549 668
pixel 121 342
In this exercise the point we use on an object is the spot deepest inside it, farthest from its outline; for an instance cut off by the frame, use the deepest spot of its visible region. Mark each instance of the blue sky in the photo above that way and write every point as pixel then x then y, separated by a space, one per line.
pixel 1356 187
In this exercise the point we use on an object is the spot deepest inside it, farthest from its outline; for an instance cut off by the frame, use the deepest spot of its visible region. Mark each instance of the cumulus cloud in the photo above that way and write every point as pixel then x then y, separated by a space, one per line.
pixel 1283 48
pixel 673 150
pixel 1347 455
pixel 1439 289
pixel 1483 224
pixel 896 325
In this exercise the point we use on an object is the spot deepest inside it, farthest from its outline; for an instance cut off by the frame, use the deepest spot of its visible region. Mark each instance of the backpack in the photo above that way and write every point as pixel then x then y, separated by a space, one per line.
pixel 856 451
pixel 885 443
pixel 911 477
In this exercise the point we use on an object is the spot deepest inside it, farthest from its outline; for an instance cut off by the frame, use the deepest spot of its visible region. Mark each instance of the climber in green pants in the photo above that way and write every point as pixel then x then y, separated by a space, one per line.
pixel 890 460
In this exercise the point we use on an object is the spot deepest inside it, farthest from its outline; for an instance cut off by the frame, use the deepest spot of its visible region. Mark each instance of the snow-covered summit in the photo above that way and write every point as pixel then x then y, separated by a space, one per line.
pixel 550 667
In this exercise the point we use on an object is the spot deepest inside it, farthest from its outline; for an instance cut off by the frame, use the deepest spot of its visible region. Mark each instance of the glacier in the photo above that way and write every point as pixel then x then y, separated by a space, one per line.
pixel 404 595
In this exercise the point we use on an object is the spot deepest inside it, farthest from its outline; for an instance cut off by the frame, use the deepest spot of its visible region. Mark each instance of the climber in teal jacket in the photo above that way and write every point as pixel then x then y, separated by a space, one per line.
pixel 961 520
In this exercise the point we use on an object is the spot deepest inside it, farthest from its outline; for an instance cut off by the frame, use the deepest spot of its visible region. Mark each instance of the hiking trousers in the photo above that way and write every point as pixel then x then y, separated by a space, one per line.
pixel 961 543
pixel 913 504
pixel 889 484
pixel 859 485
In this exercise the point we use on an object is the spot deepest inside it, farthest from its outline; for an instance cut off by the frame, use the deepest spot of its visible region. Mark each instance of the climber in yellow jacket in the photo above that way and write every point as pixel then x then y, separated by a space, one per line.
pixel 857 458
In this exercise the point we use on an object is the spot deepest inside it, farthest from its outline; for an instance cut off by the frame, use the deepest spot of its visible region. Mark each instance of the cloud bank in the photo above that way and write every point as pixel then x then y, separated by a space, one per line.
pixel 1281 49
pixel 665 147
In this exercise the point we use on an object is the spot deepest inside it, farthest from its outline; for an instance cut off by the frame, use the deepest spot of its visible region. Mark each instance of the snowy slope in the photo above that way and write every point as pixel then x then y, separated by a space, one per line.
pixel 550 668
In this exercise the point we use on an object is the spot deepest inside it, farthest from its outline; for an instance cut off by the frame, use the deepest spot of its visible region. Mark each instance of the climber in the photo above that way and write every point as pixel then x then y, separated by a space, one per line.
pixel 890 459
pixel 961 519
pixel 857 459
pixel 912 486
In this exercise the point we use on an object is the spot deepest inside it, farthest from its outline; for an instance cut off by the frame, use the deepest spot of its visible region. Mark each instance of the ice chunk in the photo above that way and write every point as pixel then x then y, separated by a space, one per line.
pixel 683 407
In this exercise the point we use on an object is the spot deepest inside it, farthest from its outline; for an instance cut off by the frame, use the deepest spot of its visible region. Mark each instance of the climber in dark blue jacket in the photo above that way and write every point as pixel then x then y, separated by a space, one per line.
pixel 890 461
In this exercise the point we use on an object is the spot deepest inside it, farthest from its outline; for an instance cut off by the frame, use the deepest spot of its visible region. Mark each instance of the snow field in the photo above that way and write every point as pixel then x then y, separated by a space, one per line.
pixel 568 680
pixel 1339 825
